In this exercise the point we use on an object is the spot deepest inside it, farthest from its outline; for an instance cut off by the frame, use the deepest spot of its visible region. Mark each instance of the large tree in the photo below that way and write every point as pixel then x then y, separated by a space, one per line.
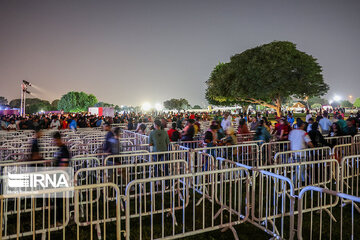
pixel 178 104
pixel 266 75
pixel 217 75
pixel 32 105
pixel 3 101
pixel 54 105
pixel 103 104
pixel 317 100
pixel 357 103
pixel 76 102
pixel 346 104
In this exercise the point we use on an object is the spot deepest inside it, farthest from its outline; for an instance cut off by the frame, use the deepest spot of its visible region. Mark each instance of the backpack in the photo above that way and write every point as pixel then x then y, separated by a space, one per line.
pixel 175 136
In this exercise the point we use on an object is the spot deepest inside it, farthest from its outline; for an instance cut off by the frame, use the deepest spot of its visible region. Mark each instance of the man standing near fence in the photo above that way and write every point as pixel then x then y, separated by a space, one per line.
pixel 107 148
pixel 325 124
pixel 159 140
pixel 62 159
pixel 299 140
pixel 226 122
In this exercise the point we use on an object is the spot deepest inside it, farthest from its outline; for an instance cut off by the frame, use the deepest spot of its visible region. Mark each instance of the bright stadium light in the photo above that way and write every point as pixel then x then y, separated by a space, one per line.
pixel 158 107
pixel 337 98
pixel 146 106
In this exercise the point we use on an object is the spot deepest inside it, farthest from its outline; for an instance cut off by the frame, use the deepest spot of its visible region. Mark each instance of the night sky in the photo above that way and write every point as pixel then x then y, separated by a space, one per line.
pixel 129 52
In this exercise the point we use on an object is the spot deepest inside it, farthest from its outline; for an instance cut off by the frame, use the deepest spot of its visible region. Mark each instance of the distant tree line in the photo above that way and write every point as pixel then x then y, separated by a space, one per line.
pixel 70 102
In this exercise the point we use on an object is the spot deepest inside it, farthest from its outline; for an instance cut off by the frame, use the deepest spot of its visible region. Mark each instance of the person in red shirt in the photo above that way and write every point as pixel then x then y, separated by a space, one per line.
pixel 243 128
pixel 283 130
pixel 174 134
pixel 64 123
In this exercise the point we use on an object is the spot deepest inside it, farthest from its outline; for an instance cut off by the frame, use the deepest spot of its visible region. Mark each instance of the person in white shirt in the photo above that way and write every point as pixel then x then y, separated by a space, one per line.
pixel 299 140
pixel 55 123
pixel 325 124
pixel 12 125
pixel 308 116
pixel 237 120
pixel 226 122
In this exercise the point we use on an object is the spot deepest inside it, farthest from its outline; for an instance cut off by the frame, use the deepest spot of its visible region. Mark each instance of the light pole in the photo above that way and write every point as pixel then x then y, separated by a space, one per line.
pixel 350 98
pixel 24 91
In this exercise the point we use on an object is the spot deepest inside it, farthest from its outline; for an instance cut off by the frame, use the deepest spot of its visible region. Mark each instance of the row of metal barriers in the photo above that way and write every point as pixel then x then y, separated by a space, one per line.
pixel 183 193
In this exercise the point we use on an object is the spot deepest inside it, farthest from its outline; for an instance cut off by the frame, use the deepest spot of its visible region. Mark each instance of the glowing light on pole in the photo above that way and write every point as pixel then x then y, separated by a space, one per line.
pixel 337 98
pixel 146 107
pixel 25 84
pixel 350 98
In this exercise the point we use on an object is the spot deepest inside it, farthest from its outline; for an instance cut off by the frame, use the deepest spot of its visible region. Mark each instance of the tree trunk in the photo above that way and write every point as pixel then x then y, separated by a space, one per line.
pixel 278 107
pixel 245 108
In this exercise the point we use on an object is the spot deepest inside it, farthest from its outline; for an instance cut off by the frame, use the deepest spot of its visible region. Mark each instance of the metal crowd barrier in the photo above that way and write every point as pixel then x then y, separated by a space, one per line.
pixel 123 174
pixel 47 219
pixel 222 206
pixel 339 140
pixel 243 138
pixel 305 155
pixel 272 202
pixel 343 221
pixel 146 157
pixel 350 175
pixel 344 150
pixel 357 138
pixel 247 154
pixel 139 138
pixel 268 151
pixel 274 205
pixel 186 144
pixel 322 173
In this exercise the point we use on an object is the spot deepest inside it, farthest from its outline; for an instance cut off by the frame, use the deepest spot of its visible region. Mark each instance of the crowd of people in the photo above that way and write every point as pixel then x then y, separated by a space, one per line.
pixel 185 126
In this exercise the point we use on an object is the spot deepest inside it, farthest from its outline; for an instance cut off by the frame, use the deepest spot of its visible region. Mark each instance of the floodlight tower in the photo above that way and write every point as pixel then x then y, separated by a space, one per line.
pixel 25 84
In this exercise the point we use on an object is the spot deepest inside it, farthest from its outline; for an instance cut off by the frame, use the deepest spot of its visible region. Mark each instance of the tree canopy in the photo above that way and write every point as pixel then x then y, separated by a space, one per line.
pixel 316 106
pixel 76 102
pixel 3 101
pixel 54 105
pixel 346 104
pixel 103 104
pixel 357 103
pixel 196 107
pixel 317 100
pixel 32 105
pixel 266 75
pixel 178 104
